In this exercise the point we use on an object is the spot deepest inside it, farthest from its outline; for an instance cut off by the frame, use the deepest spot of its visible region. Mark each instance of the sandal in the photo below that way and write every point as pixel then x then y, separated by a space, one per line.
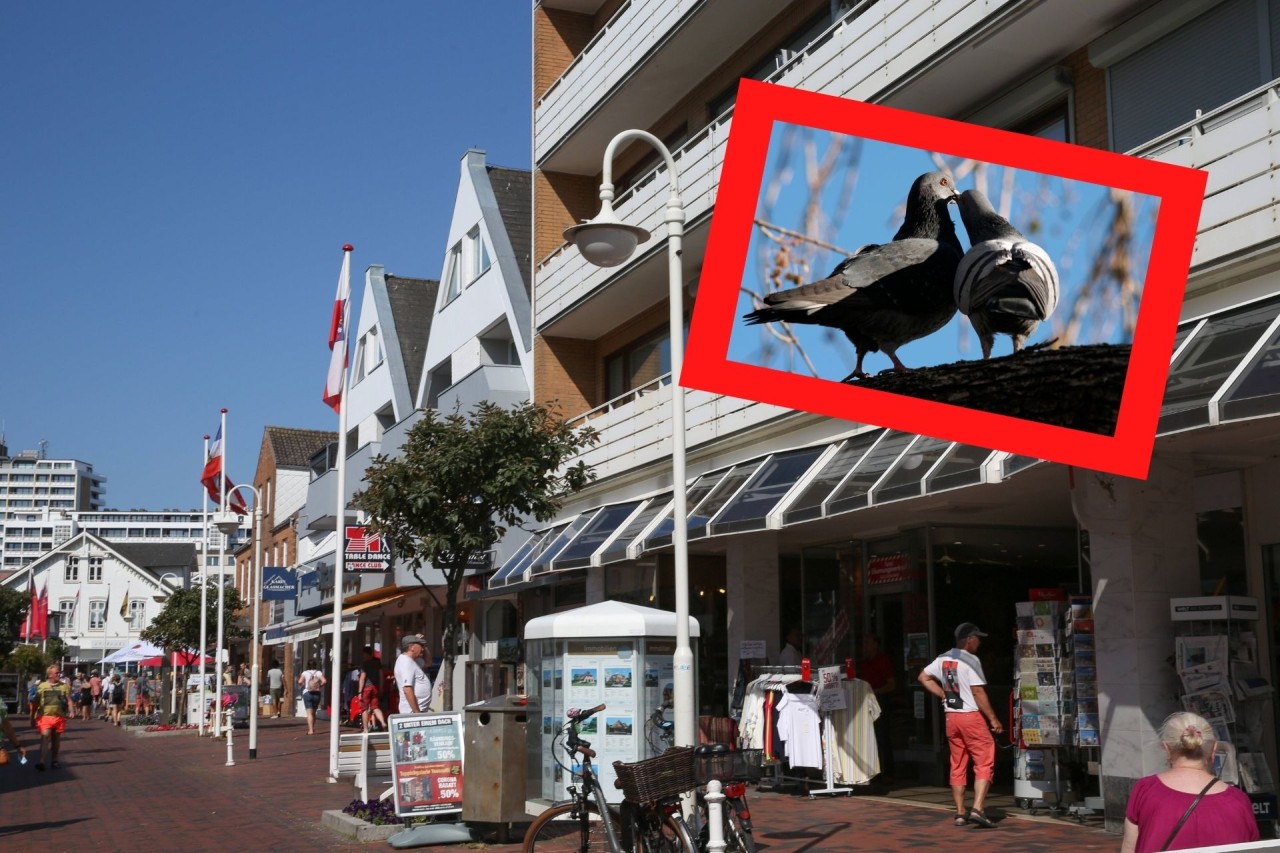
pixel 960 820
pixel 981 819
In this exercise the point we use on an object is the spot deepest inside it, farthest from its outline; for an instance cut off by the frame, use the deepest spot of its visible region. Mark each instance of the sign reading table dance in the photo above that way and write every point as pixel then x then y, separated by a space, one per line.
pixel 426 763
pixel 365 551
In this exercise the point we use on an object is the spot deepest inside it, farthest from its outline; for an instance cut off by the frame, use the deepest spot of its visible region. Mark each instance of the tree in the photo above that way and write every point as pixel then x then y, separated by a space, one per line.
pixel 177 626
pixel 13 611
pixel 462 481
pixel 27 660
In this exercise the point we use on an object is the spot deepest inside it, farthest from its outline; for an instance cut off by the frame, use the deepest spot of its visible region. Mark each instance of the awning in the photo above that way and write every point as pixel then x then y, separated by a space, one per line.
pixel 1226 367
pixel 578 554
pixel 368 605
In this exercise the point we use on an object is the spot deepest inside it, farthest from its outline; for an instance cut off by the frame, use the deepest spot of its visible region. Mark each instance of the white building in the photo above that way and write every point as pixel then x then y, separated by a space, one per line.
pixel 34 489
pixel 105 593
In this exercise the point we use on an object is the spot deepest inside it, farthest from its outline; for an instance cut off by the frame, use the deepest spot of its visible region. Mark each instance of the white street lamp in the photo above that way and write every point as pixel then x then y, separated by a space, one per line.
pixel 255 584
pixel 606 242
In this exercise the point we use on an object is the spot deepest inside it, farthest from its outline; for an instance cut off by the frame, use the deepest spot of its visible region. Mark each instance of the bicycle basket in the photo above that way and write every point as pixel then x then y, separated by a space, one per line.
pixel 742 765
pixel 655 779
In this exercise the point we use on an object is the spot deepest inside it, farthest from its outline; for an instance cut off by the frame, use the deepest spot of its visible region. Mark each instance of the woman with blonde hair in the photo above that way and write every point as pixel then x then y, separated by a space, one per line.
pixel 1186 806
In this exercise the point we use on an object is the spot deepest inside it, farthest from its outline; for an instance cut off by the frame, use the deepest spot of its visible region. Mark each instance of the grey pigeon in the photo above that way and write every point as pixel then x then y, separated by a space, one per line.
pixel 1006 284
pixel 889 294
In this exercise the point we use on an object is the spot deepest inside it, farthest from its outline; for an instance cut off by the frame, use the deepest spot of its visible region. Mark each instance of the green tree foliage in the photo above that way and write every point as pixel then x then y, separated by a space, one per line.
pixel 177 626
pixel 462 481
pixel 13 611
pixel 27 660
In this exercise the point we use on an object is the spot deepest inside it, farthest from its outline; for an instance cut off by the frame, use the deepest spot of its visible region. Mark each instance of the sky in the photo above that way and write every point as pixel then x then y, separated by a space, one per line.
pixel 870 185
pixel 176 184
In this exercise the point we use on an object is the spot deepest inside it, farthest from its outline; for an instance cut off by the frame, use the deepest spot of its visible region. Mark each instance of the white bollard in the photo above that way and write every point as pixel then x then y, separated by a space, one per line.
pixel 231 758
pixel 715 817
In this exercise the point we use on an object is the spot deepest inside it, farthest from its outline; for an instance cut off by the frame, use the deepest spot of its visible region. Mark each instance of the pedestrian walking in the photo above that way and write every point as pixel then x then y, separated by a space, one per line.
pixel 116 698
pixel 142 694
pixel 1186 806
pixel 312 681
pixel 412 681
pixel 95 693
pixel 33 710
pixel 370 678
pixel 53 697
pixel 7 727
pixel 957 679
pixel 275 686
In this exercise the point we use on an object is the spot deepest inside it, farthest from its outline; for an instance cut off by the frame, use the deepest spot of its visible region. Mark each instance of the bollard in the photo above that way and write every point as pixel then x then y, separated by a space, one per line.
pixel 231 758
pixel 715 817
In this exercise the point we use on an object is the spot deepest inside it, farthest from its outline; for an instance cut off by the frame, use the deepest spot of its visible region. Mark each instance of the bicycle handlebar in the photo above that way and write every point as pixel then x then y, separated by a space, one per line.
pixel 583 715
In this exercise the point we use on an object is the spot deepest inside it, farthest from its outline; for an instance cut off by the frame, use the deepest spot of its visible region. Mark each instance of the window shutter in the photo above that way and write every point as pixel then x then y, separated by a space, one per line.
pixel 1201 65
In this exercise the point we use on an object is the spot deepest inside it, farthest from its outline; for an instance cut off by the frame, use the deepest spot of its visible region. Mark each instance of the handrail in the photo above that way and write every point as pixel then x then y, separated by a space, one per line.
pixel 577 59
pixel 621 400
pixel 1268 93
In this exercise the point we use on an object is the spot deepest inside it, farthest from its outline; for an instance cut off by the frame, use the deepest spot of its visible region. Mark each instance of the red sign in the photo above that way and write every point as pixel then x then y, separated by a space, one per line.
pixel 889 568
pixel 426 763
pixel 1056 593
pixel 365 552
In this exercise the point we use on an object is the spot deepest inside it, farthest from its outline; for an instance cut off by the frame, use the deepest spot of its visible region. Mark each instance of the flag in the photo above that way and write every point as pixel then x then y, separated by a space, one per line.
pixel 338 334
pixel 212 471
pixel 124 606
pixel 43 626
pixel 33 613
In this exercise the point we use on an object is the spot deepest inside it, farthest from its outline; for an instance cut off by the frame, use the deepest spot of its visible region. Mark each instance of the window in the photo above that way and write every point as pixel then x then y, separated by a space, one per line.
pixel 453 275
pixel 1200 65
pixel 95 570
pixel 786 50
pixel 71 570
pixel 137 612
pixel 478 254
pixel 97 614
pixel 67 607
pixel 439 381
pixel 637 365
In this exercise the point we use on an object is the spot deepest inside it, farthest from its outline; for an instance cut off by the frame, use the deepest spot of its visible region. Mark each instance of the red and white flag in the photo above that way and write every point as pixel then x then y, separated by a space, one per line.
pixel 338 334
pixel 37 624
pixel 212 471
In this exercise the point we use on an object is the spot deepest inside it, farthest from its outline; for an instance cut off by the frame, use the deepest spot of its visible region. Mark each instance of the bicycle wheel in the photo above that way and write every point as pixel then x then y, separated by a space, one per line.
pixel 737 838
pixel 661 833
pixel 557 831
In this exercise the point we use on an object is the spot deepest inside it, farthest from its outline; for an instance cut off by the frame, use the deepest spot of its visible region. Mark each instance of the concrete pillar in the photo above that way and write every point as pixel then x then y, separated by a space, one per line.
pixel 1142 546
pixel 751 591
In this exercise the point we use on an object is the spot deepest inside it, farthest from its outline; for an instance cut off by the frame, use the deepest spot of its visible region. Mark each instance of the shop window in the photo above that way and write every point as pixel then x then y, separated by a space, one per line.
pixel 1221 546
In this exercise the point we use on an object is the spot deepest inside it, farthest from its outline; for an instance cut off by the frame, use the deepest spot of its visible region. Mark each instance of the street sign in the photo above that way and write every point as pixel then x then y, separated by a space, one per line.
pixel 279 583
pixel 426 763
pixel 365 551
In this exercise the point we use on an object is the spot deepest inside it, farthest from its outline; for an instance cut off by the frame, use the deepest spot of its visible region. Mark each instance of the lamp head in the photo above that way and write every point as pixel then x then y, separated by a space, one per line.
pixel 605 241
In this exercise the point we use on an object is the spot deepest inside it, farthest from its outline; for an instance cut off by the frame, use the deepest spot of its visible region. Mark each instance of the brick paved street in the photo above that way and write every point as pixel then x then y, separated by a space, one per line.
pixel 174 793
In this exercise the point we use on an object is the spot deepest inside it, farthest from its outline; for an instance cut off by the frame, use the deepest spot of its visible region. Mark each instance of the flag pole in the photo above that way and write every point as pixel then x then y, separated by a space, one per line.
pixel 340 524
pixel 204 593
pixel 222 581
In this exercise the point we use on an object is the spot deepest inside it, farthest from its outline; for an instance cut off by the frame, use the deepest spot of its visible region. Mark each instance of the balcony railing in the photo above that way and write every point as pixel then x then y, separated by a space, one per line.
pixel 855 57
pixel 1236 144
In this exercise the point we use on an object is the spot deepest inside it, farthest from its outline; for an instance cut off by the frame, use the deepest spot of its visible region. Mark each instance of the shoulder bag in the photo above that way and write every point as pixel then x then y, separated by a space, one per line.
pixel 1187 814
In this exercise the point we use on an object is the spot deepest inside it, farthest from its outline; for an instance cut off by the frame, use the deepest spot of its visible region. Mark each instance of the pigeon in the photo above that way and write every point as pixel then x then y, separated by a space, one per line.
pixel 886 294
pixel 1005 284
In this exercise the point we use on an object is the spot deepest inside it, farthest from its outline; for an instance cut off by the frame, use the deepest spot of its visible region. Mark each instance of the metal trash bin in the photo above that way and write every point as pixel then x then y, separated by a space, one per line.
pixel 496 738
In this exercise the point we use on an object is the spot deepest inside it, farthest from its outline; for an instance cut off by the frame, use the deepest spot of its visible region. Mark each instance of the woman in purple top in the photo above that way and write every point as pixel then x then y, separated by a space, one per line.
pixel 1224 814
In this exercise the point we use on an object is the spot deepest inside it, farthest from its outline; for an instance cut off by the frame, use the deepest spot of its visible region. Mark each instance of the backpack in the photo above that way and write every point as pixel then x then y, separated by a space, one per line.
pixel 313 682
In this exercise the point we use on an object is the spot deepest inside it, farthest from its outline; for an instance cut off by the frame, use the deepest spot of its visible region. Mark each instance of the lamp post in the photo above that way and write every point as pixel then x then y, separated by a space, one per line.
pixel 607 242
pixel 255 584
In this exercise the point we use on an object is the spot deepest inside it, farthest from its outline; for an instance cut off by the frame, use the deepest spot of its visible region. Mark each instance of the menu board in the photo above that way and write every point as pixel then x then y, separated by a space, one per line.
pixel 426 763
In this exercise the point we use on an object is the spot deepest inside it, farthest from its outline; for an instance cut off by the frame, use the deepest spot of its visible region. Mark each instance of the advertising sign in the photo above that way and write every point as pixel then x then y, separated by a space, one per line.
pixel 426 763
pixel 365 551
pixel 279 583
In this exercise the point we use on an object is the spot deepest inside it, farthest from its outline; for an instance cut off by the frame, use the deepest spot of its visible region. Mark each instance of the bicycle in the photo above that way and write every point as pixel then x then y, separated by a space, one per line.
pixel 649 820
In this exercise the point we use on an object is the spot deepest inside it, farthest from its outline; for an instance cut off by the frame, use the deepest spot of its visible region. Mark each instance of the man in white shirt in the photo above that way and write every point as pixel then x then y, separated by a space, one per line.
pixel 411 678
pixel 957 679
pixel 791 653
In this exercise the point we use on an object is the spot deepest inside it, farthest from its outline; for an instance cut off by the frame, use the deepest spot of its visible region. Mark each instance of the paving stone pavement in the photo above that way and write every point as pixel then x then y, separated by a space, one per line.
pixel 120 791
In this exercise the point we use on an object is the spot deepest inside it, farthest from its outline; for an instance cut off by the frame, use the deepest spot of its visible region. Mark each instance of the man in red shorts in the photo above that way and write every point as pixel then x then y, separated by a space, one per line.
pixel 53 698
pixel 957 679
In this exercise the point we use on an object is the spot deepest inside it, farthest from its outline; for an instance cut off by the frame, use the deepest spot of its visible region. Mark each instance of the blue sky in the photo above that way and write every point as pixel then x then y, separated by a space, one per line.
pixel 1067 217
pixel 178 181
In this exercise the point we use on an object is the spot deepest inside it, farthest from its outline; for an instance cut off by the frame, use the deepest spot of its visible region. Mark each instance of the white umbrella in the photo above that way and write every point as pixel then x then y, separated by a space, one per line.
pixel 140 650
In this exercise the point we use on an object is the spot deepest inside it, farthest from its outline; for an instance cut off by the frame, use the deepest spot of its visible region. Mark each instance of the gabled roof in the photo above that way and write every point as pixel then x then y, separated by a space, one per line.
pixel 513 188
pixel 412 303
pixel 293 448
pixel 157 555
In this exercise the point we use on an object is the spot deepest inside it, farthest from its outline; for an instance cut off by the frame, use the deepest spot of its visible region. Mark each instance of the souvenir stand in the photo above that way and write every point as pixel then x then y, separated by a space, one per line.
pixel 1217 657
pixel 612 653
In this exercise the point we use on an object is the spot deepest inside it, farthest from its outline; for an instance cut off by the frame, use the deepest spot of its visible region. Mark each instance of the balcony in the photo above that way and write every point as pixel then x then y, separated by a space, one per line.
pixel 623 77
pixel 1237 144
pixel 320 510
pixel 502 384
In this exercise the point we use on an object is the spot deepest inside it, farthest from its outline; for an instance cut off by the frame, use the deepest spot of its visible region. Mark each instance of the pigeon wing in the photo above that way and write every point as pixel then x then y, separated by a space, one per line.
pixel 992 267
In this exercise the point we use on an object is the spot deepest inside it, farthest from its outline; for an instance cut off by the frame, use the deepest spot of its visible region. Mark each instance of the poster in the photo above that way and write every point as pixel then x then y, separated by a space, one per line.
pixel 604 672
pixel 426 763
